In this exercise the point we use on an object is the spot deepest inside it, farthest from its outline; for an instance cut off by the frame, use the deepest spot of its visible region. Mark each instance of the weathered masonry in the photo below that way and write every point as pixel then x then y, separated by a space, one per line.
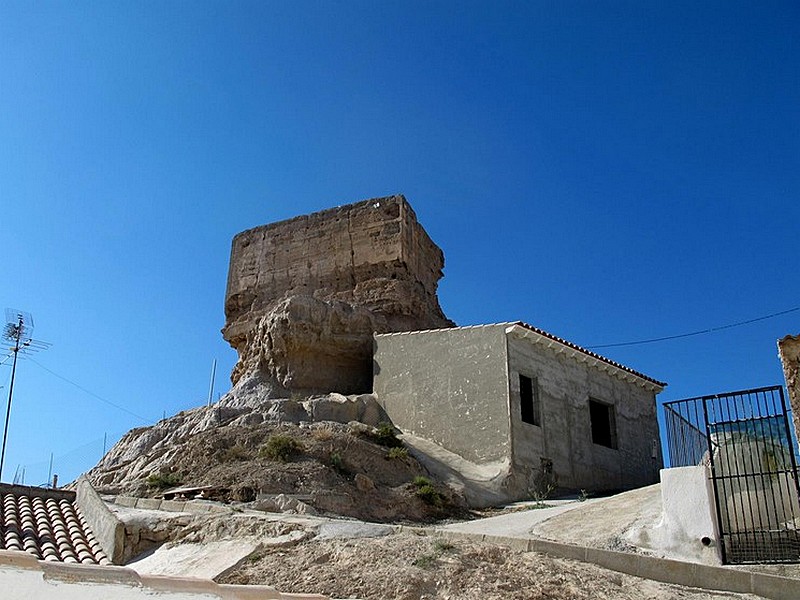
pixel 542 409
pixel 305 295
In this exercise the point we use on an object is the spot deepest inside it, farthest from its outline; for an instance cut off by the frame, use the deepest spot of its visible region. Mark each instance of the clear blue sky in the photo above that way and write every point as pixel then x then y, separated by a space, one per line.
pixel 607 171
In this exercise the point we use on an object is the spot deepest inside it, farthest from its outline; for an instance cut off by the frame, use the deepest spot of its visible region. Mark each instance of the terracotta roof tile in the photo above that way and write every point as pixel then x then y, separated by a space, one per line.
pixel 47 524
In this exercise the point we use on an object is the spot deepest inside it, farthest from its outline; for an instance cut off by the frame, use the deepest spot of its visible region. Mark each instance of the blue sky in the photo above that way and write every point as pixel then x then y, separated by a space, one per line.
pixel 607 171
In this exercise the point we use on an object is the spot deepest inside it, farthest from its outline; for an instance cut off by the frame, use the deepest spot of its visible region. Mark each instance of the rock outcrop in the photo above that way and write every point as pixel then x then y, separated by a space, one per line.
pixel 789 351
pixel 305 295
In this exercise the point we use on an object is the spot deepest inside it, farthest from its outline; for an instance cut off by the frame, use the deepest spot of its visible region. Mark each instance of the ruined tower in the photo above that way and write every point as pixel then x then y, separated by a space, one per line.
pixel 305 295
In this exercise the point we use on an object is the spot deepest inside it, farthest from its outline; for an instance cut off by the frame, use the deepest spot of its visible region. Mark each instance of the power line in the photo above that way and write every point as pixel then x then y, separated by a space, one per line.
pixel 693 333
pixel 83 389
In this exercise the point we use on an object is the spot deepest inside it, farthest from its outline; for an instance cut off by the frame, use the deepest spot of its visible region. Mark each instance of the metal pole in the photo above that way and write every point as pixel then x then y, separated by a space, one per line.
pixel 211 387
pixel 10 393
pixel 50 469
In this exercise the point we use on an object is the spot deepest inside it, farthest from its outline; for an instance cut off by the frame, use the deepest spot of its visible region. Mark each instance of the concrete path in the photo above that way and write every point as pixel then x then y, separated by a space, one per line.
pixel 515 524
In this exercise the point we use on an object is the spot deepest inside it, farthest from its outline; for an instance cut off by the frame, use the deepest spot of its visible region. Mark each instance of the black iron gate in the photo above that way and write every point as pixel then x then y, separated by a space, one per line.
pixel 745 439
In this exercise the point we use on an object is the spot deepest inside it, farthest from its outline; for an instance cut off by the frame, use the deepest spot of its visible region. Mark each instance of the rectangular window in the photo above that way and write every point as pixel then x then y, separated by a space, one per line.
pixel 529 401
pixel 604 424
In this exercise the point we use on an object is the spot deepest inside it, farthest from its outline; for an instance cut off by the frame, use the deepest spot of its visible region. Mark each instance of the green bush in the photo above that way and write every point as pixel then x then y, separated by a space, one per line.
pixel 162 481
pixel 426 492
pixel 429 495
pixel 395 453
pixel 280 447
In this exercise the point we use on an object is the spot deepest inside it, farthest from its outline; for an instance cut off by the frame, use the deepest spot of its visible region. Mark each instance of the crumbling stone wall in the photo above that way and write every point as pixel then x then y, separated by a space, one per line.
pixel 305 295
pixel 789 351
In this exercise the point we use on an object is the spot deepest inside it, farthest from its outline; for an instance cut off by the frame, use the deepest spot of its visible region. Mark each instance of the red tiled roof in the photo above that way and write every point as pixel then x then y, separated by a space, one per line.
pixel 47 524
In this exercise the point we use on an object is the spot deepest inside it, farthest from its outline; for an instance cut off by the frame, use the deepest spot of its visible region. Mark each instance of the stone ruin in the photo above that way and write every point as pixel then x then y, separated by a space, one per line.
pixel 305 295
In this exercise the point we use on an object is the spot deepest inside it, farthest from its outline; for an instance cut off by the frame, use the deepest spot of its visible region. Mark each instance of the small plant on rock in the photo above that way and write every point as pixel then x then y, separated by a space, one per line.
pixel 427 560
pixel 337 463
pixel 385 436
pixel 280 447
pixel 162 480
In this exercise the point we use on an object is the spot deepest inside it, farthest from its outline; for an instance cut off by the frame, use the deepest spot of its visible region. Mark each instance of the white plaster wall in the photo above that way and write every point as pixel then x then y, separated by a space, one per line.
pixel 565 437
pixel 688 515
pixel 22 577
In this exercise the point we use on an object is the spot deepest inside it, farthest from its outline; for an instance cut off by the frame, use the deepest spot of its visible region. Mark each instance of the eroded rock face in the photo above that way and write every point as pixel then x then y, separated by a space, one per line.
pixel 305 295
pixel 789 351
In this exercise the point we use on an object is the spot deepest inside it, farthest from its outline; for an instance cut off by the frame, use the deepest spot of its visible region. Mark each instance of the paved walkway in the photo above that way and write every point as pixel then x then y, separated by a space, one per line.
pixel 515 524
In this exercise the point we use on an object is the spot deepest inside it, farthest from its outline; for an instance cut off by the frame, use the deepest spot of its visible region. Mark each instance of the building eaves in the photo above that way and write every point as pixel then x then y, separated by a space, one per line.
pixel 584 355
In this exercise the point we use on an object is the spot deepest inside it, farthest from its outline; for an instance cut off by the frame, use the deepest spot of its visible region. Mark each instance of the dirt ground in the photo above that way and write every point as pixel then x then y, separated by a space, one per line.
pixel 336 469
pixel 411 567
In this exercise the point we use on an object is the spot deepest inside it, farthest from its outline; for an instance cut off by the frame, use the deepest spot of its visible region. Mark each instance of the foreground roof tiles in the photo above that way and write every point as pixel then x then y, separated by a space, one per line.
pixel 48 525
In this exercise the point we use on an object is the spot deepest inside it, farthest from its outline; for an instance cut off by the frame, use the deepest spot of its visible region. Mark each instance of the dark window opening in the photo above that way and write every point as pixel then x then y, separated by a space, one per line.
pixel 604 426
pixel 529 401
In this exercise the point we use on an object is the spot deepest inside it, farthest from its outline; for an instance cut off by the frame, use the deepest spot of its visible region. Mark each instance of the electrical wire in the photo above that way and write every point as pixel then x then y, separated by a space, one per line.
pixel 83 389
pixel 693 333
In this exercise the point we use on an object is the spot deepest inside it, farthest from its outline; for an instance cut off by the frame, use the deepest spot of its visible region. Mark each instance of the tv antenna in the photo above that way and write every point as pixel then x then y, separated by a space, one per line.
pixel 17 331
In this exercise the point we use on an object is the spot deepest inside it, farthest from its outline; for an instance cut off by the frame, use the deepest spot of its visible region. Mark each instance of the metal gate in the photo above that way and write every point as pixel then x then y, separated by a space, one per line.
pixel 745 439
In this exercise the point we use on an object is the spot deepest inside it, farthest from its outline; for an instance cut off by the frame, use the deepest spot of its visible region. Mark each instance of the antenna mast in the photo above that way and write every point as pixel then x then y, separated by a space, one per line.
pixel 18 330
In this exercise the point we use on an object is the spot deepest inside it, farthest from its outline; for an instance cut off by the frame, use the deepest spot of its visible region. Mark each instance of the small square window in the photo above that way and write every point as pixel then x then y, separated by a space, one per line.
pixel 529 401
pixel 604 424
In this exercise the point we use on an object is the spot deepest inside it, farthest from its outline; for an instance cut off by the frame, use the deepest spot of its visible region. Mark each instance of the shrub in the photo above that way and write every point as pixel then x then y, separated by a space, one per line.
pixel 280 447
pixel 424 561
pixel 429 495
pixel 322 434
pixel 385 436
pixel 394 453
pixel 163 480
pixel 337 463
pixel 236 452
pixel 441 546
pixel 426 492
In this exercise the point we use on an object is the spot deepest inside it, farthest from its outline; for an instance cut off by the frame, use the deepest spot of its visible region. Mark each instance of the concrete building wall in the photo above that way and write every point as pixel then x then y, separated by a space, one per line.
pixel 565 386
pixel 449 386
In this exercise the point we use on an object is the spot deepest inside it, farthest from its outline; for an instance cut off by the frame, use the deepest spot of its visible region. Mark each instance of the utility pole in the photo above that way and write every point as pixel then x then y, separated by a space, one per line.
pixel 19 326
pixel 211 387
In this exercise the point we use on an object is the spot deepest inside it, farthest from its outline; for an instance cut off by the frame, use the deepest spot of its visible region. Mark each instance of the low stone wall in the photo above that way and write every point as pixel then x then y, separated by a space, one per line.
pixel 192 506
